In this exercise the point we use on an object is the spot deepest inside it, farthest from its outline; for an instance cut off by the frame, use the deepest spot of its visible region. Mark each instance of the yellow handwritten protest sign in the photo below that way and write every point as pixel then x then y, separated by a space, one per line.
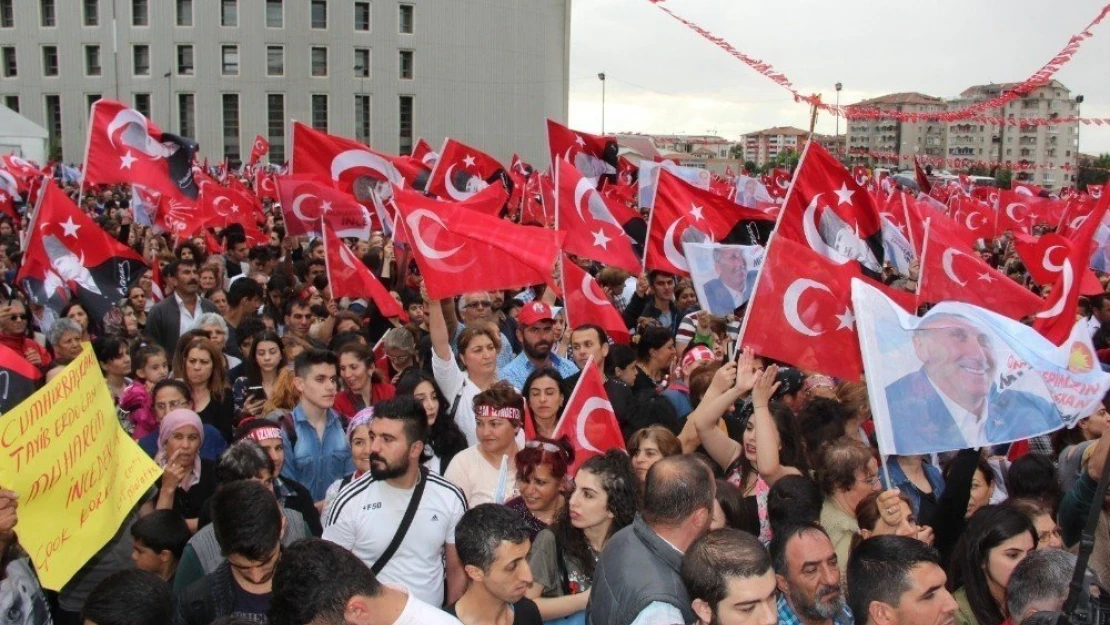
pixel 77 472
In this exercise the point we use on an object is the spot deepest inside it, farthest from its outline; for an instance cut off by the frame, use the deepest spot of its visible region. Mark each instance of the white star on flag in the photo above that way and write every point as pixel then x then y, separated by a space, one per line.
pixel 847 320
pixel 844 195
pixel 235 208
pixel 579 140
pixel 70 228
pixel 468 161
pixel 600 239
pixel 127 160
pixel 986 277
pixel 325 206
pixel 696 210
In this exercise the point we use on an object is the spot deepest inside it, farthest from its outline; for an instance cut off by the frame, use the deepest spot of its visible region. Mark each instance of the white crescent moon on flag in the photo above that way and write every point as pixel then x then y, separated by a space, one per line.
pixel 587 292
pixel 296 207
pixel 861 180
pixel 674 257
pixel 790 304
pixel 346 256
pixel 1010 211
pixel 122 119
pixel 1078 221
pixel 361 158
pixel 588 408
pixel 428 251
pixel 1023 191
pixel 581 189
pixel 967 221
pixel 1064 267
pixel 813 234
pixel 216 205
pixel 455 194
pixel 946 261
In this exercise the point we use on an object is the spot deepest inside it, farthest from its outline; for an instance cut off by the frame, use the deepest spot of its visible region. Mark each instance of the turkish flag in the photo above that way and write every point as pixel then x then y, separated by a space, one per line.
pixel 20 379
pixel 587 303
pixel 1095 190
pixel 260 148
pixel 680 206
pixel 1055 322
pixel 180 217
pixel 7 204
pixel 830 213
pixel 592 155
pixel 952 271
pixel 593 231
pixel 1028 189
pixel 305 200
pixel 124 147
pixel 628 173
pixel 349 277
pixel 861 175
pixel 489 201
pixel 538 206
pixel 801 312
pixel 21 172
pixel 462 171
pixel 1036 254
pixel 69 253
pixel 1015 212
pixel 777 182
pixel 973 218
pixel 351 167
pixel 589 421
pixel 224 205
pixel 265 186
pixel 423 152
pixel 923 183
pixel 460 250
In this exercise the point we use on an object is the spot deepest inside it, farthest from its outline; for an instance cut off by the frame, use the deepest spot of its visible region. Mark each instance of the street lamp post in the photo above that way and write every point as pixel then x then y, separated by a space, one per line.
pixel 1078 126
pixel 838 88
pixel 601 77
pixel 169 99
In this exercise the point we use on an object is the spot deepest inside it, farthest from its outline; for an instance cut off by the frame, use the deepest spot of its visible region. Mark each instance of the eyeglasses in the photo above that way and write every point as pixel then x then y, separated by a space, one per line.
pixel 872 480
pixel 19 317
pixel 479 304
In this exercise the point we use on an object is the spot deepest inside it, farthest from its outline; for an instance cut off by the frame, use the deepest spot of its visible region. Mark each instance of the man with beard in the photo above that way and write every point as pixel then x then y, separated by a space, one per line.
pixel 371 516
pixel 808 577
pixel 537 336
pixel 174 316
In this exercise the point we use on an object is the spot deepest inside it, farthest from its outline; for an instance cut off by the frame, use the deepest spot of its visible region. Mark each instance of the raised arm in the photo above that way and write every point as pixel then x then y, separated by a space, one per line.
pixel 767 440
pixel 722 449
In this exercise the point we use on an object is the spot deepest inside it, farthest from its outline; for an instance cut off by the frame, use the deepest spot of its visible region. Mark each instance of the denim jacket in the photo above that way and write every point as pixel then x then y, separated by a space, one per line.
pixel 313 461
pixel 903 483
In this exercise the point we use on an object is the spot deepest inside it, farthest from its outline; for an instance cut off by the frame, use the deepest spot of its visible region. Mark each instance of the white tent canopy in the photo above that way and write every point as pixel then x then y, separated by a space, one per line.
pixel 22 137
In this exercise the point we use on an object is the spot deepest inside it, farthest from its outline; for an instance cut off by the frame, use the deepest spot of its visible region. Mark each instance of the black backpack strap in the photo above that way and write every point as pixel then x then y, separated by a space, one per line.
pixel 455 403
pixel 406 522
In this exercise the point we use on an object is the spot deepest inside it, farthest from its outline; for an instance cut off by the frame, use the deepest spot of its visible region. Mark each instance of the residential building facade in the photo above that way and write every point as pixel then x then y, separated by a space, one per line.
pixel 703 151
pixel 762 146
pixel 384 72
pixel 894 144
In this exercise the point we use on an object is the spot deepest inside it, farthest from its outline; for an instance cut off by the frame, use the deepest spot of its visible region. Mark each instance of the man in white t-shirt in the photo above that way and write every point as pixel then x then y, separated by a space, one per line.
pixel 367 513
pixel 321 583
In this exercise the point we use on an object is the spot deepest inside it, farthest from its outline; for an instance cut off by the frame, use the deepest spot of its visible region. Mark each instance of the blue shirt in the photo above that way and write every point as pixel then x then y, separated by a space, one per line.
pixel 901 482
pixel 517 371
pixel 314 461
pixel 787 616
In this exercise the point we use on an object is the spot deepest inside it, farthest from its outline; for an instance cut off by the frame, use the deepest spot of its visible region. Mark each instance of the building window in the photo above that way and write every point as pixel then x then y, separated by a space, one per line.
pixel 91 12
pixel 275 61
pixel 362 16
pixel 275 126
pixel 362 62
pixel 319 62
pixel 140 13
pixel 92 60
pixel 319 10
pixel 406 64
pixel 186 114
pixel 54 121
pixel 12 102
pixel 7 58
pixel 91 99
pixel 185 60
pixel 275 17
pixel 231 128
pixel 49 18
pixel 140 59
pixel 229 13
pixel 406 23
pixel 184 12
pixel 142 104
pixel 229 60
pixel 405 126
pixel 50 60
pixel 7 14
pixel 320 112
pixel 362 119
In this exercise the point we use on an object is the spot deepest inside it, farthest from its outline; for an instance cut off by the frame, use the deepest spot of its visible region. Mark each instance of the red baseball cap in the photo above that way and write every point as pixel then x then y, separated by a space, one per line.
pixel 535 312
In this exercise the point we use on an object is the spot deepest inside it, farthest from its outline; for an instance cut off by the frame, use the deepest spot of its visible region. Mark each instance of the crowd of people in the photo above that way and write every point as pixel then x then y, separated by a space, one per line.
pixel 324 464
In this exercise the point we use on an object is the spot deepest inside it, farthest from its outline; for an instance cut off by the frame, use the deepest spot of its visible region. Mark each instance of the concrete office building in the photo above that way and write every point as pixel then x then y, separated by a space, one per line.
pixel 222 71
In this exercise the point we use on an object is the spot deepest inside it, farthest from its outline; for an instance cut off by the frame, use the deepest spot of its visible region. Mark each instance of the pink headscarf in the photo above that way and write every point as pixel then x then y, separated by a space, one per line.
pixel 173 421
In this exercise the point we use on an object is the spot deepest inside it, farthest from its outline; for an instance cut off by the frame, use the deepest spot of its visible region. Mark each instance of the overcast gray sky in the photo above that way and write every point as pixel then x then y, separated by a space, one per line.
pixel 664 78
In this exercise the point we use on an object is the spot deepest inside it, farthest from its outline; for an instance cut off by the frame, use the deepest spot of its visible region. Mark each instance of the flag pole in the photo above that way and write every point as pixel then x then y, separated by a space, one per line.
pixel 921 265
pixel 85 163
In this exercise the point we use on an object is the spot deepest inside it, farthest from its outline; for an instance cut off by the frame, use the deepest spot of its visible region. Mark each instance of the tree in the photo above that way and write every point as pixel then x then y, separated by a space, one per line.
pixel 786 159
pixel 978 170
pixel 751 167
pixel 736 151
pixel 1093 171
pixel 1003 178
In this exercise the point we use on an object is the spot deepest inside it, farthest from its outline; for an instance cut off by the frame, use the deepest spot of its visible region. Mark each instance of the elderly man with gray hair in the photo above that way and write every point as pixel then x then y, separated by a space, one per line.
pixel 1040 583
pixel 65 337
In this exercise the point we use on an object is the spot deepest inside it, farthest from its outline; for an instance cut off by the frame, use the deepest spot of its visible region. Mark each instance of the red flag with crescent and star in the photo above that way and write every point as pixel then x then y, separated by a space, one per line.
pixel 308 201
pixel 1014 212
pixel 459 250
pixel 587 303
pixel 462 171
pixel 260 148
pixel 349 277
pixel 952 271
pixel 592 155
pixel 680 206
pixel 124 147
pixel 593 231
pixel 70 253
pixel 226 205
pixel 265 185
pixel 829 212
pixel 350 166
pixel 588 421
